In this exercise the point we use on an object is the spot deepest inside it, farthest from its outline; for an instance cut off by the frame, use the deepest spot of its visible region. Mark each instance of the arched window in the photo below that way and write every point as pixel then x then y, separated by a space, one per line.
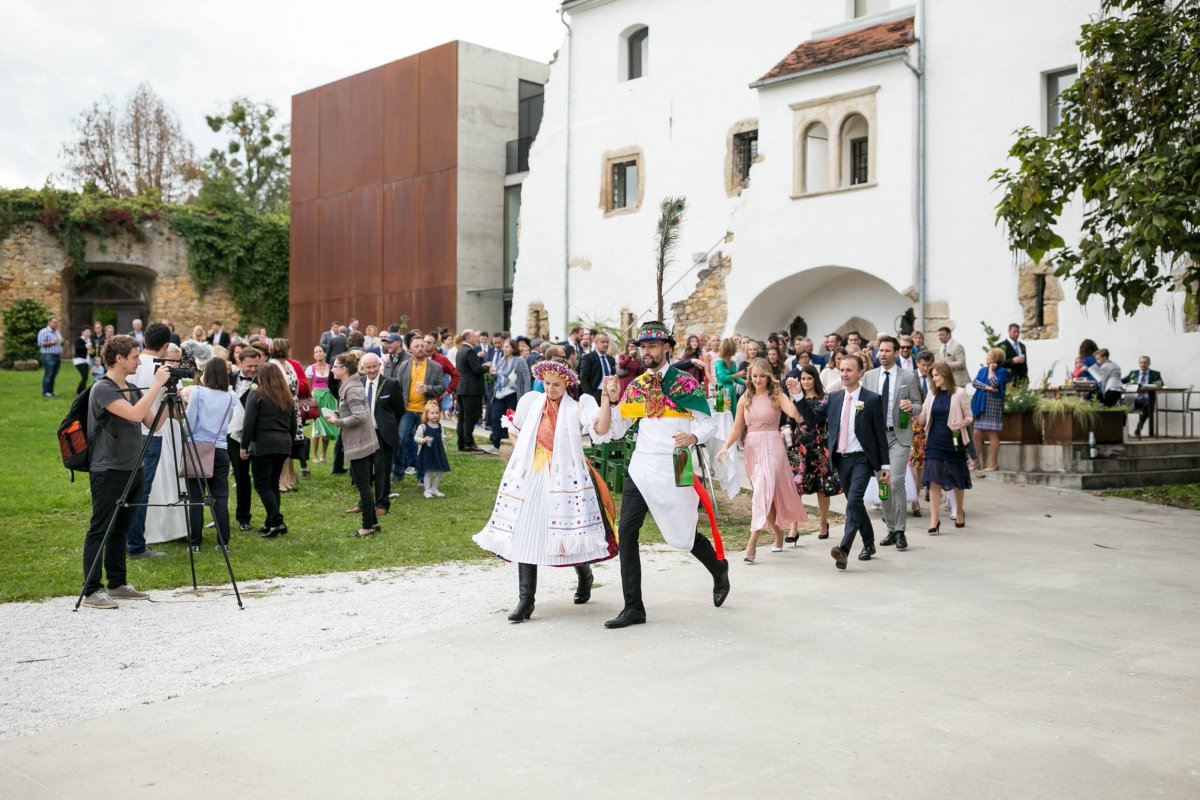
pixel 816 158
pixel 854 146
pixel 635 52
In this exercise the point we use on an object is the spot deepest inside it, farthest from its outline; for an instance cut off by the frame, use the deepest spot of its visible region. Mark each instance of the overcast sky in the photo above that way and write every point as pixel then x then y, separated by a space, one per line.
pixel 56 58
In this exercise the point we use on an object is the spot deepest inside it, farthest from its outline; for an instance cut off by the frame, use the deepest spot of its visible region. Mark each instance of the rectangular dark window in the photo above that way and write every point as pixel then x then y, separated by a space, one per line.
pixel 530 101
pixel 745 150
pixel 625 184
pixel 858 161
pixel 1055 83
pixel 1040 306
pixel 512 216
pixel 639 53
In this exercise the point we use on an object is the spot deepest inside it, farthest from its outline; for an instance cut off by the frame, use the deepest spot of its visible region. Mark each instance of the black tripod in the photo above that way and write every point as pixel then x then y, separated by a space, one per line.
pixel 172 407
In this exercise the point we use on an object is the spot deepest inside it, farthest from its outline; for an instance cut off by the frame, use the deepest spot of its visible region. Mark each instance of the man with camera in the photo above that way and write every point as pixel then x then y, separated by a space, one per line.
pixel 155 340
pixel 115 407
pixel 242 381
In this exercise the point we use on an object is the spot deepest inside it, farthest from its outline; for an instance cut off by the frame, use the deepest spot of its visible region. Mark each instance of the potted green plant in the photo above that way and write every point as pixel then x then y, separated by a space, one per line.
pixel 1019 426
pixel 1110 423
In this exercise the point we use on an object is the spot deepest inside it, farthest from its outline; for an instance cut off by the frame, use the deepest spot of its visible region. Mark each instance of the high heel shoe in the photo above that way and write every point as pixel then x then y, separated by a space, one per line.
pixel 962 524
pixel 936 529
pixel 824 534
pixel 791 539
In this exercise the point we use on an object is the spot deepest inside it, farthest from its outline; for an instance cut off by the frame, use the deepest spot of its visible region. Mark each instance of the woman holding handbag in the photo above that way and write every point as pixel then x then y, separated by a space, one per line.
pixel 946 418
pixel 268 432
pixel 210 406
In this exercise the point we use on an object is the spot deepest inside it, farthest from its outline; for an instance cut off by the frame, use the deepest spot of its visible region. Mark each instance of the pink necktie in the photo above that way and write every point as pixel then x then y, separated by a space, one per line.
pixel 844 433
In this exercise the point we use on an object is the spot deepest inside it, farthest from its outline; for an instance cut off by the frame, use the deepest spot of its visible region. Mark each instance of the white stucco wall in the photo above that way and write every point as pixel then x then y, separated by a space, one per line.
pixel 985 65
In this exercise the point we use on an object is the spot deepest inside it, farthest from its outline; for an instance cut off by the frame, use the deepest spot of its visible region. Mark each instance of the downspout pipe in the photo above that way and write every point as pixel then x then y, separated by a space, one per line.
pixel 919 71
pixel 562 16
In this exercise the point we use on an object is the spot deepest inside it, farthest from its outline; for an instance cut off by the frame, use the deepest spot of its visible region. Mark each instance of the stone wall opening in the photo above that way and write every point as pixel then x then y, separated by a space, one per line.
pixel 112 298
pixel 1040 293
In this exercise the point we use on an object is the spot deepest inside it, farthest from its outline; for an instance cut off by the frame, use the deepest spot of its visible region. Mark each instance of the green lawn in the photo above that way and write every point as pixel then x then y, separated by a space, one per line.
pixel 46 515
pixel 1179 495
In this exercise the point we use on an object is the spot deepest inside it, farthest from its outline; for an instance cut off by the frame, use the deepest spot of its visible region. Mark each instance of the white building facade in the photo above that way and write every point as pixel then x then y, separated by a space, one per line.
pixel 792 130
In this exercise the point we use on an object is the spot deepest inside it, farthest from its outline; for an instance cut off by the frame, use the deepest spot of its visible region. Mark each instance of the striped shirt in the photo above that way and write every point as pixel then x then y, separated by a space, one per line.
pixel 50 341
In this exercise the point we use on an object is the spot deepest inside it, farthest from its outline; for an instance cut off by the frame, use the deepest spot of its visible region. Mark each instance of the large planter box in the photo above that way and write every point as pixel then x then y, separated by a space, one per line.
pixel 1020 427
pixel 1110 429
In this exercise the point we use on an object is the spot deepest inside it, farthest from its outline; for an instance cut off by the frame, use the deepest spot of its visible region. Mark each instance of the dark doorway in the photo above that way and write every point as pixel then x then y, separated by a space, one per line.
pixel 112 299
pixel 798 328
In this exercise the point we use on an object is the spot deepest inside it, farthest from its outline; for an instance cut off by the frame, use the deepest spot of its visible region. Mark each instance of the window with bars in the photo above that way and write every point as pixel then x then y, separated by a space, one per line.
pixel 745 150
pixel 859 165
pixel 624 184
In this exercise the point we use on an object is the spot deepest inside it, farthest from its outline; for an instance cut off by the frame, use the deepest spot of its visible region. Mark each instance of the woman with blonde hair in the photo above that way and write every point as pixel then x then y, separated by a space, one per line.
pixel 946 419
pixel 987 406
pixel 776 502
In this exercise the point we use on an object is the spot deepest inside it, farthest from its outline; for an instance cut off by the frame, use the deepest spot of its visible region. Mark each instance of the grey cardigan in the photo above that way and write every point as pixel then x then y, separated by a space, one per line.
pixel 354 418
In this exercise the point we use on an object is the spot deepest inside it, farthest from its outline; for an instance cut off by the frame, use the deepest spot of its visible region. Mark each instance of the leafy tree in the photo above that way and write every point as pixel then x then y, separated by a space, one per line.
pixel 138 149
pixel 257 157
pixel 1128 142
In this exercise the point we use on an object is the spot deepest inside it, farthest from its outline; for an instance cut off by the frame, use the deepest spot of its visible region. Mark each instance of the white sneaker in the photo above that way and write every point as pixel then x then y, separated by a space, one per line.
pixel 99 599
pixel 491 451
pixel 410 471
pixel 436 493
pixel 428 495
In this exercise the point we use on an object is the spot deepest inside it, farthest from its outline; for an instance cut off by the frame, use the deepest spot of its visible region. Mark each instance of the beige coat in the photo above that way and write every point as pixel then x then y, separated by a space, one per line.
pixel 960 412
pixel 355 420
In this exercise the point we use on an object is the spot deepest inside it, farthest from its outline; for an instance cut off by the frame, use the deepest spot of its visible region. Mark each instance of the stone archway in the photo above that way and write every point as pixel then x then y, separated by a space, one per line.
pixel 827 298
pixel 111 297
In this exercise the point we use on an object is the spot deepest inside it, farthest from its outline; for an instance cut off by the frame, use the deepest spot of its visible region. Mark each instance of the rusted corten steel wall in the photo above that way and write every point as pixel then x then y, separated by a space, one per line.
pixel 374 178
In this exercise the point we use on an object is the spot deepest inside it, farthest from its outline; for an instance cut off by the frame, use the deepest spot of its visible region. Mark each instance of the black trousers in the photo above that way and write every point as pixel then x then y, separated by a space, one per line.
pixel 218 487
pixel 82 369
pixel 266 471
pixel 633 514
pixel 241 479
pixel 1145 409
pixel 106 488
pixel 496 411
pixel 470 409
pixel 381 464
pixel 339 458
pixel 360 475
pixel 855 473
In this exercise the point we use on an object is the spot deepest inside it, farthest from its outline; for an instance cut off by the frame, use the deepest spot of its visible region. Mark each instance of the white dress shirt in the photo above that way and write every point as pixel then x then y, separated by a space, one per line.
pixel 853 445
pixel 372 389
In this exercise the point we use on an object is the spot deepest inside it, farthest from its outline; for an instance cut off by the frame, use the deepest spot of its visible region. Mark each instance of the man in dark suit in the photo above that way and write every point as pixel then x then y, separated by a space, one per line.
pixel 387 405
pixel 471 370
pixel 338 344
pixel 858 447
pixel 1015 355
pixel 596 366
pixel 1147 381
pixel 327 335
pixel 216 336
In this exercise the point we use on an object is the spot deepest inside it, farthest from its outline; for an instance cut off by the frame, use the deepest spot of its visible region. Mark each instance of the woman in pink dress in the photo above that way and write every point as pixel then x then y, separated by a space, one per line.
pixel 776 502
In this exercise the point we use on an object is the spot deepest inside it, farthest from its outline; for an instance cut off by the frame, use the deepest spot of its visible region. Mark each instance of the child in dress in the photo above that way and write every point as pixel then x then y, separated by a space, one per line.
pixel 431 449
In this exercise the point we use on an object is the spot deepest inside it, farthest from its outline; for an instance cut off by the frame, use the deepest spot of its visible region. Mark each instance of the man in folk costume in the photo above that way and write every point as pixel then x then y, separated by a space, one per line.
pixel 552 508
pixel 670 409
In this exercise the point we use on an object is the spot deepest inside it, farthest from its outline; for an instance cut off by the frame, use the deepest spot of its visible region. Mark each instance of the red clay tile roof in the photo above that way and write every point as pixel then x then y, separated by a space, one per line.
pixel 817 53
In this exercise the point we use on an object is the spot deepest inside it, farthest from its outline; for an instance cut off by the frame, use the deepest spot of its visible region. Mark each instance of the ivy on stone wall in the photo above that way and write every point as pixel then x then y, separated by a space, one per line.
pixel 250 251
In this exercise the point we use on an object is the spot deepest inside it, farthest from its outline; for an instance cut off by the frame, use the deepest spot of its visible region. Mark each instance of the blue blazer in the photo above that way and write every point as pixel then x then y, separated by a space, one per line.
pixel 868 425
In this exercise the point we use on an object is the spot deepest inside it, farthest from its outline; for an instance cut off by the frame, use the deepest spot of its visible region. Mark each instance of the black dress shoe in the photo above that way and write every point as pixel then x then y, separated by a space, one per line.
pixel 866 553
pixel 888 540
pixel 839 555
pixel 278 530
pixel 627 617
pixel 901 541
pixel 721 584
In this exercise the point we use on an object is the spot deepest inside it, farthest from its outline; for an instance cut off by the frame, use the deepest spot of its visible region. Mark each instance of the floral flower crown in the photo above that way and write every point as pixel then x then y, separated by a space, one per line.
pixel 558 368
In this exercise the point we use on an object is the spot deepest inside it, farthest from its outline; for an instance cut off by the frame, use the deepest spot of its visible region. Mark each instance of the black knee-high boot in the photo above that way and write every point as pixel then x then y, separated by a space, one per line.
pixel 527 587
pixel 583 592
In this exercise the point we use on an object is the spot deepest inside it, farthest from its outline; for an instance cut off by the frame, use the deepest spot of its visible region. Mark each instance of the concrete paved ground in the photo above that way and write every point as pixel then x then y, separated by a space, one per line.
pixel 1048 650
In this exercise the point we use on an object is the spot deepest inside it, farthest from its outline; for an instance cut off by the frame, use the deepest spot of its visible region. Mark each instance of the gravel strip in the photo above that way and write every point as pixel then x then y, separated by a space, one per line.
pixel 60 666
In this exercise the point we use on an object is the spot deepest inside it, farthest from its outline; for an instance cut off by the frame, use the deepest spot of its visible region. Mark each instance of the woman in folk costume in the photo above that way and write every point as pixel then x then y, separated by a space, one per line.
pixel 671 411
pixel 552 507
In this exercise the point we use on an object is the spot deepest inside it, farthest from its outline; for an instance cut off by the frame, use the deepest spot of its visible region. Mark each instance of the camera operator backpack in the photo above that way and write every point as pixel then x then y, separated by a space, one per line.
pixel 73 439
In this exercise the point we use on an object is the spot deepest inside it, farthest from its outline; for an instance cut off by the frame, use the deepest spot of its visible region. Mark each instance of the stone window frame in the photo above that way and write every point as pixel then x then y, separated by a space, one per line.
pixel 1027 275
pixel 733 182
pixel 833 111
pixel 610 160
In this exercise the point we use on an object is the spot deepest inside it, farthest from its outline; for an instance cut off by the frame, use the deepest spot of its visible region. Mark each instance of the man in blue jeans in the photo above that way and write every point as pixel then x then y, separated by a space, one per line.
pixel 157 338
pixel 420 379
pixel 50 345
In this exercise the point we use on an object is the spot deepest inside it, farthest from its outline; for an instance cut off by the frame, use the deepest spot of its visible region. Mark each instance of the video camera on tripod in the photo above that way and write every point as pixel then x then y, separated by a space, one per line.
pixel 183 367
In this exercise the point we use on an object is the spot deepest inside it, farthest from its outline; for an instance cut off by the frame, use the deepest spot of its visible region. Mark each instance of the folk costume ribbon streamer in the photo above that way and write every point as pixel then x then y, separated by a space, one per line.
pixel 646 397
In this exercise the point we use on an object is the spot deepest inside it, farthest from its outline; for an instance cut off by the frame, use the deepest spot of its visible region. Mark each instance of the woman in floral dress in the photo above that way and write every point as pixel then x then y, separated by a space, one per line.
pixel 808 450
